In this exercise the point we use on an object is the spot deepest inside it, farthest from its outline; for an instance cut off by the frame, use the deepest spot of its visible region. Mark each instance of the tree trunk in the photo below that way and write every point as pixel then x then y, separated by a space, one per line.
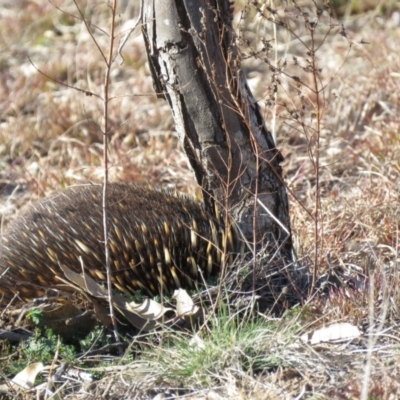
pixel 195 65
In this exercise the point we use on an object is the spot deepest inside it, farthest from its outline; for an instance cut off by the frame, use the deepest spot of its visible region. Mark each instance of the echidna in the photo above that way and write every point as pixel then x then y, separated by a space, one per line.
pixel 157 240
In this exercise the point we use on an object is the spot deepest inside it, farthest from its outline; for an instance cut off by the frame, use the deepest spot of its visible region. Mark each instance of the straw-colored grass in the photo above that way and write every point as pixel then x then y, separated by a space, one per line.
pixel 50 139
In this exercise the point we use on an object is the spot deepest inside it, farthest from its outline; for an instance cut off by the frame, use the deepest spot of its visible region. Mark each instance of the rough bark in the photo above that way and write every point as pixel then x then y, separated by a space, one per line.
pixel 195 66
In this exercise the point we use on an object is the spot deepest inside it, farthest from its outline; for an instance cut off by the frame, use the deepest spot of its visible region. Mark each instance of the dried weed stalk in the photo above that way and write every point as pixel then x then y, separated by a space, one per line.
pixel 297 86
pixel 108 58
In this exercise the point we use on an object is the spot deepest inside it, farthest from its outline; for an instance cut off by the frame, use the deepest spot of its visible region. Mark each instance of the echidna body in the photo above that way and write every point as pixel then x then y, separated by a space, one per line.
pixel 158 241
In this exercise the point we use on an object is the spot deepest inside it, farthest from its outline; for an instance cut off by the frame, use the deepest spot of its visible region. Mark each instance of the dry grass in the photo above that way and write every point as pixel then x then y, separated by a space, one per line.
pixel 49 138
pixel 49 134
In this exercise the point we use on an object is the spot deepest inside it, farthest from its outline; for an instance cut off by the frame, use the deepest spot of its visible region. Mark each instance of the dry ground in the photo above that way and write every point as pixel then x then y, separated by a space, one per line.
pixel 49 139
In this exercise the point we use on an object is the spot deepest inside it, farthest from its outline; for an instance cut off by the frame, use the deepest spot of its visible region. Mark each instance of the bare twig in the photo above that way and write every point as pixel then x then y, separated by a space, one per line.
pixel 109 61
pixel 86 92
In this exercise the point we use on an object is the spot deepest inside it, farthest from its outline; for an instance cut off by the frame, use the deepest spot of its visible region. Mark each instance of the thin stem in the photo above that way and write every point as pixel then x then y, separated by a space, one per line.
pixel 273 123
pixel 90 32
pixel 316 161
pixel 109 62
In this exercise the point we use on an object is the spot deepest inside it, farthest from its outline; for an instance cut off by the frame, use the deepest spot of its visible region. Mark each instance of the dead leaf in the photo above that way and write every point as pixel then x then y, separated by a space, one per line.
pixel 84 282
pixel 185 307
pixel 334 332
pixel 145 316
pixel 26 378
pixel 184 303
pixel 149 309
